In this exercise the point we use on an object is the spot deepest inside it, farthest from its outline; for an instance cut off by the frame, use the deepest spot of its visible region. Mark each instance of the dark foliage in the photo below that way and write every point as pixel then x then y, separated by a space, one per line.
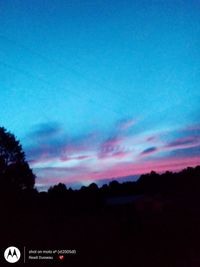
pixel 159 227
pixel 15 173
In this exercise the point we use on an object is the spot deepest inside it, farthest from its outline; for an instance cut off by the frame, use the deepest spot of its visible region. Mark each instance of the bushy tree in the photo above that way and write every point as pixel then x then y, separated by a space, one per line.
pixel 15 173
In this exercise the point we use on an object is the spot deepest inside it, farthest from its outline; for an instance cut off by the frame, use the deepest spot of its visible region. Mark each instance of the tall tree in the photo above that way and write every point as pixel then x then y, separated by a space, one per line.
pixel 15 173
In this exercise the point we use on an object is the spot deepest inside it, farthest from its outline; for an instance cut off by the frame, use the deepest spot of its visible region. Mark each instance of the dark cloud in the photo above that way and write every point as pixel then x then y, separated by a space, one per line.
pixel 46 130
pixel 191 152
pixel 151 138
pixel 49 141
pixel 149 150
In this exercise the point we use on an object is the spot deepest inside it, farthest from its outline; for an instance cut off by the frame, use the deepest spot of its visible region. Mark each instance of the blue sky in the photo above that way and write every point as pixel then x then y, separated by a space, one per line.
pixel 79 77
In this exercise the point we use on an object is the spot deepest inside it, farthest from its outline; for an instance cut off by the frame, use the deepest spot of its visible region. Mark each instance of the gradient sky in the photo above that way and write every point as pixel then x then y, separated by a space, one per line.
pixel 99 89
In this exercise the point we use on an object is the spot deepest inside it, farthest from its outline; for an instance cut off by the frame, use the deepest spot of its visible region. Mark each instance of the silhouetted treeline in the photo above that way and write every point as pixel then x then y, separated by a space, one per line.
pixel 168 183
pixel 154 221
pixel 59 199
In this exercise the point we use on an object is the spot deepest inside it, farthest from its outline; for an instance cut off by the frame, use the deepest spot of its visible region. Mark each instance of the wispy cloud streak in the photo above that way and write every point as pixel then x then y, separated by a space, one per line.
pixel 56 156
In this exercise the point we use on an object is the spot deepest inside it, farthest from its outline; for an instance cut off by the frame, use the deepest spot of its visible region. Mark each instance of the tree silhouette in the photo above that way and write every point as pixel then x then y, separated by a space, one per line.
pixel 15 173
pixel 58 189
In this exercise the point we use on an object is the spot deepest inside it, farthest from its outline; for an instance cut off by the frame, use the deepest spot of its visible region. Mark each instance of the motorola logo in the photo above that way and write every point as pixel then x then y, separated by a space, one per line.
pixel 12 254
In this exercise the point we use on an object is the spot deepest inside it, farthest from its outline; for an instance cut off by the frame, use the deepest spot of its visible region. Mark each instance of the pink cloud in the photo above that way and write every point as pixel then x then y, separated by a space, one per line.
pixel 112 142
pixel 81 174
pixel 126 124
pixel 46 160
pixel 110 146
pixel 184 142
pixel 179 143
pixel 88 158
pixel 81 157
pixel 121 154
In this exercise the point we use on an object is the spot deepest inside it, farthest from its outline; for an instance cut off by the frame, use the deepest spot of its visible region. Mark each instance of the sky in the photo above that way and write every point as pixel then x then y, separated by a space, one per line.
pixel 98 90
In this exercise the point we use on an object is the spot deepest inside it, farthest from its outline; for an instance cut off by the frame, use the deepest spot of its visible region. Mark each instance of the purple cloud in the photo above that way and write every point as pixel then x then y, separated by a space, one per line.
pixel 149 151
pixel 184 141
pixel 193 127
pixel 57 156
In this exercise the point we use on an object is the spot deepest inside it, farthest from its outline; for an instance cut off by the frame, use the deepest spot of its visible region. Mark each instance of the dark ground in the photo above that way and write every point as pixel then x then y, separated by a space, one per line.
pixel 158 227
pixel 156 231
